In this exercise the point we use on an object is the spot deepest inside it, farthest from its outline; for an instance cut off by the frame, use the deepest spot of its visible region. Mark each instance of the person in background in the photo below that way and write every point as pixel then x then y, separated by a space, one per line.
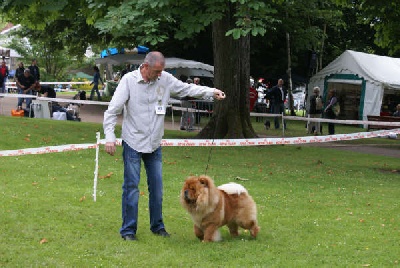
pixel 277 95
pixel 397 112
pixel 143 95
pixel 126 70
pixel 49 92
pixel 198 105
pixel 315 111
pixel 95 83
pixel 187 118
pixel 3 76
pixel 329 110
pixel 26 82
pixel 18 72
pixel 35 72
pixel 196 80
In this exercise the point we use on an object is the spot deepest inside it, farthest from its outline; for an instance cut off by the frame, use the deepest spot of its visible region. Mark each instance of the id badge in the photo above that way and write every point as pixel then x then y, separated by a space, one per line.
pixel 160 109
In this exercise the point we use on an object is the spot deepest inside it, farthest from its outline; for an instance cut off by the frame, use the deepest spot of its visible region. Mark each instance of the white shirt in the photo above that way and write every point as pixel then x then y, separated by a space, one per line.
pixel 283 96
pixel 142 128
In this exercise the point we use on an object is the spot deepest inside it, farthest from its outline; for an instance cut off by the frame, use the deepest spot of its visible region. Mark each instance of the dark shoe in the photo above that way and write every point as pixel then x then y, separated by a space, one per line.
pixel 162 233
pixel 183 128
pixel 130 237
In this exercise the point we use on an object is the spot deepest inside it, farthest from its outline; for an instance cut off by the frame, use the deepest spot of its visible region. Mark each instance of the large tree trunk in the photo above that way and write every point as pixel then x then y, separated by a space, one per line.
pixel 231 117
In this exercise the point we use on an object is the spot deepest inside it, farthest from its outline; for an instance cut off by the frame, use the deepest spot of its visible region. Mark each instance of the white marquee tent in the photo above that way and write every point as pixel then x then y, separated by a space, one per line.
pixel 361 80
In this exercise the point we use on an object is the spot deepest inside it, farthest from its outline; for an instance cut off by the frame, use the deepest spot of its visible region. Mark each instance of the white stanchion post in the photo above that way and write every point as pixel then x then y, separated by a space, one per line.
pixel 172 116
pixel 96 169
pixel 283 123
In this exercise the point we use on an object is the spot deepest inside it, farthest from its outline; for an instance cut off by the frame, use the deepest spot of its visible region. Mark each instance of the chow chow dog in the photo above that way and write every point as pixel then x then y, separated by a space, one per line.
pixel 212 207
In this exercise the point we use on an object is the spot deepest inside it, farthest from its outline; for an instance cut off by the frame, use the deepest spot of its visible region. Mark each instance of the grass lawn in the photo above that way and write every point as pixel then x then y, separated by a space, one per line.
pixel 317 207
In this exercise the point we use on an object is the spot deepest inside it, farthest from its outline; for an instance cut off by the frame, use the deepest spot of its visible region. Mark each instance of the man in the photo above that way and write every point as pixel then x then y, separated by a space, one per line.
pixel 198 105
pixel 196 80
pixel 49 92
pixel 26 83
pixel 187 118
pixel 95 83
pixel 126 70
pixel 397 112
pixel 35 71
pixel 315 111
pixel 3 76
pixel 277 95
pixel 143 95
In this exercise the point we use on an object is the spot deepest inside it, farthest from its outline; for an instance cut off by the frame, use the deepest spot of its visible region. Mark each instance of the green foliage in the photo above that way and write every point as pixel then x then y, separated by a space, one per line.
pixel 382 18
pixel 86 87
pixel 152 22
pixel 317 207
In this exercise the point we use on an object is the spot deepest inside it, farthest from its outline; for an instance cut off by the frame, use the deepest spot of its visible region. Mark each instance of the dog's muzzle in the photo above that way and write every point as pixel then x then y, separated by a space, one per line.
pixel 187 198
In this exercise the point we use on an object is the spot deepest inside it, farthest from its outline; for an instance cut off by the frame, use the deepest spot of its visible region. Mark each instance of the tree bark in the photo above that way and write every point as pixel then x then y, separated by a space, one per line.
pixel 231 117
pixel 289 75
pixel 319 67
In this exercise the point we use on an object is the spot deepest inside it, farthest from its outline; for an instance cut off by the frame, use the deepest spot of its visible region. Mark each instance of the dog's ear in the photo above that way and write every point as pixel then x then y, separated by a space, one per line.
pixel 204 180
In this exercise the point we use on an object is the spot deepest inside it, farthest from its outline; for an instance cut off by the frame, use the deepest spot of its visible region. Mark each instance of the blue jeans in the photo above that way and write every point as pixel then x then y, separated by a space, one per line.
pixel 95 89
pixel 130 189
pixel 3 87
pixel 27 100
pixel 278 108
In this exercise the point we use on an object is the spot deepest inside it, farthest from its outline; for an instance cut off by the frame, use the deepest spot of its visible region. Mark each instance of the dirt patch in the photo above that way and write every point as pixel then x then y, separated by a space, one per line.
pixel 386 171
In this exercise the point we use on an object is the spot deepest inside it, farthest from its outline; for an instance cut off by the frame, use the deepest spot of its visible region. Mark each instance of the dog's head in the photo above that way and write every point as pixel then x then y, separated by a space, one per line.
pixel 196 189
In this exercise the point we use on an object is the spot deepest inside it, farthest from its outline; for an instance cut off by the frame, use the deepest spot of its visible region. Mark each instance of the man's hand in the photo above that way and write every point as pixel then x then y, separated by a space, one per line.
pixel 110 148
pixel 219 95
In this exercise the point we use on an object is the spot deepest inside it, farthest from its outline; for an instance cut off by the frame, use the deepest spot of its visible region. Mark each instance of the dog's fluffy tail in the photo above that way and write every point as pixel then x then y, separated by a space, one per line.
pixel 233 188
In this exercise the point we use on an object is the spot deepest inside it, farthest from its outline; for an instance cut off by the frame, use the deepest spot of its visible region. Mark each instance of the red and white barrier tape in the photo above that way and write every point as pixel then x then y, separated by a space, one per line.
pixel 48 149
pixel 54 99
pixel 210 142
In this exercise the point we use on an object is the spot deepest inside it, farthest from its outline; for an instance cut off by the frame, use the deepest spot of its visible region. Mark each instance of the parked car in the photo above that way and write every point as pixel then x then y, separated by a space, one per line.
pixel 299 95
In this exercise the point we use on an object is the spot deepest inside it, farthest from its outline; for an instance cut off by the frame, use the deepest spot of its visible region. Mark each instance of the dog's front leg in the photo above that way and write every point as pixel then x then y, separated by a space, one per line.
pixel 198 232
pixel 211 233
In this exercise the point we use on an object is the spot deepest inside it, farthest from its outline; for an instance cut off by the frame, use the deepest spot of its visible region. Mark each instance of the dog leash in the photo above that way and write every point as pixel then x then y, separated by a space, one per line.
pixel 211 147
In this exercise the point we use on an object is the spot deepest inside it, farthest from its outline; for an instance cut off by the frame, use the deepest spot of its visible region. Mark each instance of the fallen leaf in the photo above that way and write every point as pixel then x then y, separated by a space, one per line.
pixel 141 193
pixel 35 183
pixel 106 176
pixel 83 198
pixel 43 240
